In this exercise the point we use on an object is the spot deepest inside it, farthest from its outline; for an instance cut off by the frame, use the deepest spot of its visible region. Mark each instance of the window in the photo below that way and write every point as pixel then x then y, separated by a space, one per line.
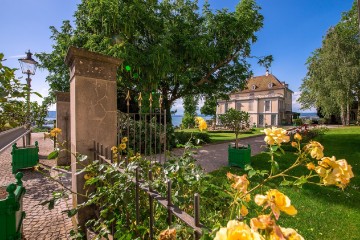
pixel 267 106
pixel 251 103
pixel 226 107
pixel 238 106
pixel 253 87
pixel 270 85
pixel 261 119
pixel 273 119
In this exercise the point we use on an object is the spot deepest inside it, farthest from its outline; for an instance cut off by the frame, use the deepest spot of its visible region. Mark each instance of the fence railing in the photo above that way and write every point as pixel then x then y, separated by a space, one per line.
pixel 9 137
pixel 146 133
pixel 104 155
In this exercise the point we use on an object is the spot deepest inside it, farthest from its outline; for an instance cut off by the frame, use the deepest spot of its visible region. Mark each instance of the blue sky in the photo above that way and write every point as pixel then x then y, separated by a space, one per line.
pixel 292 30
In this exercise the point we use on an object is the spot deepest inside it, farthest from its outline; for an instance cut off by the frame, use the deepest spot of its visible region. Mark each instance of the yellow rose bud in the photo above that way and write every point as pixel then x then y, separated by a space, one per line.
pixel 294 144
pixel 310 166
pixel 297 136
pixel 244 211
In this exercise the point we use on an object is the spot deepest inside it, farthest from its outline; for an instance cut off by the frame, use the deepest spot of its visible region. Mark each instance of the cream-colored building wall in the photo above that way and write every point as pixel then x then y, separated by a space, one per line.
pixel 281 102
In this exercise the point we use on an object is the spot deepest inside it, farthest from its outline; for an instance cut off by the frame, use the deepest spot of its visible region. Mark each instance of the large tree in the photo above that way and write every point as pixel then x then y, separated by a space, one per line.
pixel 169 46
pixel 332 83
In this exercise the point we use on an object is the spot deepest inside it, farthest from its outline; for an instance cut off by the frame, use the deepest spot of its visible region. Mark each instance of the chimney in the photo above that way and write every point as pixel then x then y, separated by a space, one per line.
pixel 267 72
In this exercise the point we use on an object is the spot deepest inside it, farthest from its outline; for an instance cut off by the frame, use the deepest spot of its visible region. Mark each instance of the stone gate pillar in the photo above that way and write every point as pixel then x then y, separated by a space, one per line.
pixel 93 110
pixel 63 122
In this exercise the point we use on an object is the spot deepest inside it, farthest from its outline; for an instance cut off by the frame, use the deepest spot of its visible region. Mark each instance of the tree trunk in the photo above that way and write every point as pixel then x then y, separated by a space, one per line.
pixel 348 113
pixel 342 115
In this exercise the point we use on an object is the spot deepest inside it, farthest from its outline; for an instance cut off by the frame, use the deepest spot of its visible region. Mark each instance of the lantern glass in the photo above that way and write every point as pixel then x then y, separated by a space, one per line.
pixel 28 64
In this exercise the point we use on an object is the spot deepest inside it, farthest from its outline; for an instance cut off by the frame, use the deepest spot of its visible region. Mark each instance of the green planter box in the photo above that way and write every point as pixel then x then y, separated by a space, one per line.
pixel 11 210
pixel 24 157
pixel 239 157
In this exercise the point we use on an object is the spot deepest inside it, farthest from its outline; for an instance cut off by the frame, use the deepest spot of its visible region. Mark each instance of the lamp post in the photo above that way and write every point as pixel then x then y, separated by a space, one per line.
pixel 28 66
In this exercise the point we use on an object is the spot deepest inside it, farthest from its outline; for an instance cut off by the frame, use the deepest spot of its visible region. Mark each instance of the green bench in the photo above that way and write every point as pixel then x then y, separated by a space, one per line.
pixel 11 210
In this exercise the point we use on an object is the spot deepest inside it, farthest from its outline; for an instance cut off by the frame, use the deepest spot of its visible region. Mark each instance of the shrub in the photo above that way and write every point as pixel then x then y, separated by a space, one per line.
pixel 322 121
pixel 196 138
pixel 298 122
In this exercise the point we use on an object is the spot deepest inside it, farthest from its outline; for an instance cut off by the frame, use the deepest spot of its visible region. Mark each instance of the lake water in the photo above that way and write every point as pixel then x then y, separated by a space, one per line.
pixel 176 119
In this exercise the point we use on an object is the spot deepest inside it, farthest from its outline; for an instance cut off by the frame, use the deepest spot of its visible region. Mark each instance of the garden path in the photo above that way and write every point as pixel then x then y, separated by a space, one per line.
pixel 214 156
pixel 39 223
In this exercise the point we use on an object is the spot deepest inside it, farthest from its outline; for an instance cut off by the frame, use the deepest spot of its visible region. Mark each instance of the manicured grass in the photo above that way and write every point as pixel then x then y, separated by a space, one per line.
pixel 323 212
pixel 225 136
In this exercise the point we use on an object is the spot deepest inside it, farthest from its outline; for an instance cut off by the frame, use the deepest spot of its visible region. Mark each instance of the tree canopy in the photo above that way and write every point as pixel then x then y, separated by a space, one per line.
pixel 170 47
pixel 332 83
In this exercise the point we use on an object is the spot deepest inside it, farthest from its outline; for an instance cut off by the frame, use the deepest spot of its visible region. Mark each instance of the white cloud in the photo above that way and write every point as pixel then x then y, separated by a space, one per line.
pixel 178 105
pixel 296 105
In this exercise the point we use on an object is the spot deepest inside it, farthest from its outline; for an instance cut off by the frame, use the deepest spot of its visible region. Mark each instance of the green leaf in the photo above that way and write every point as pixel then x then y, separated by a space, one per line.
pixel 282 150
pixel 53 155
pixel 71 212
pixel 248 167
pixel 251 173
pixel 37 94
pixel 274 167
pixel 299 182
pixel 286 183
pixel 274 148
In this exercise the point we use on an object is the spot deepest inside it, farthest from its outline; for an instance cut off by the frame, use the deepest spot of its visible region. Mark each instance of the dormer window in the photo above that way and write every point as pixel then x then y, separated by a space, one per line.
pixel 253 87
pixel 270 85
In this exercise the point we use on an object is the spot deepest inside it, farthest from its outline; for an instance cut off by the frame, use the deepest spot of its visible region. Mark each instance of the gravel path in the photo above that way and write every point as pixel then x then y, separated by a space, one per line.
pixel 39 223
pixel 214 156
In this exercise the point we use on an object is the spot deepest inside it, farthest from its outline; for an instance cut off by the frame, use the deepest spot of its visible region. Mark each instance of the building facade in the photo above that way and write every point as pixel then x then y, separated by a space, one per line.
pixel 265 98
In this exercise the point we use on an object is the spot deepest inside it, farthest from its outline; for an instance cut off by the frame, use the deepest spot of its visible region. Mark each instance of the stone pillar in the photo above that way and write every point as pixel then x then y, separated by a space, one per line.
pixel 63 122
pixel 93 109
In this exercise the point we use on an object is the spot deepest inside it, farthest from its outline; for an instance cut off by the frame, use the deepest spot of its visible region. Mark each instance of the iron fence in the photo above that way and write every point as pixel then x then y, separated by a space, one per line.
pixel 104 155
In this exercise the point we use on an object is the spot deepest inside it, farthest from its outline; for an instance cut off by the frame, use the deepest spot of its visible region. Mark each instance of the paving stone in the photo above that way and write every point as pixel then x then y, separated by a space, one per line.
pixel 39 223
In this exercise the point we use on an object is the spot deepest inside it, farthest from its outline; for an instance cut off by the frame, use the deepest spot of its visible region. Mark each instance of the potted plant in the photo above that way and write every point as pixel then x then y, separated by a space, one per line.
pixel 237 120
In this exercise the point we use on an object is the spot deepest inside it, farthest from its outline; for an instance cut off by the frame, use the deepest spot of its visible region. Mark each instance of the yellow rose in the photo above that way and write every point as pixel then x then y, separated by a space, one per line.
pixel 240 182
pixel 54 132
pixel 277 201
pixel 168 234
pixel 291 234
pixel 122 146
pixel 315 149
pixel 275 135
pixel 237 230
pixel 334 172
pixel 114 149
pixel 124 140
pixel 297 136
pixel 261 222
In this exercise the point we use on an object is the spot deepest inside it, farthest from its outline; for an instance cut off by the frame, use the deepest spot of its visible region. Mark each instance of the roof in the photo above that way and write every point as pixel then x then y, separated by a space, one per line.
pixel 261 83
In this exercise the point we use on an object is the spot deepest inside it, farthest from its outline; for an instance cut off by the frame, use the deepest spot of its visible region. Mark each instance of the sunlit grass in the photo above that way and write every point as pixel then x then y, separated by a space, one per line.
pixel 323 212
pixel 225 136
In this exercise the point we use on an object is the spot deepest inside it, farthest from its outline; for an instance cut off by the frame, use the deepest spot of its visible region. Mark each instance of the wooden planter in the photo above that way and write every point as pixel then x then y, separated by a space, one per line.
pixel 239 157
pixel 24 157
pixel 11 210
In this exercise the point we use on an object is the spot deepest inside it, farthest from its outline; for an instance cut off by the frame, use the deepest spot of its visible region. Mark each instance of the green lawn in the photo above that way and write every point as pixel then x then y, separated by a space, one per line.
pixel 225 136
pixel 323 212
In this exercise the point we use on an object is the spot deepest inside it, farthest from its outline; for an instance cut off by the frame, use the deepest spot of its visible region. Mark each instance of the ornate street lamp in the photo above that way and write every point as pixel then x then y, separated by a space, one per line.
pixel 28 66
